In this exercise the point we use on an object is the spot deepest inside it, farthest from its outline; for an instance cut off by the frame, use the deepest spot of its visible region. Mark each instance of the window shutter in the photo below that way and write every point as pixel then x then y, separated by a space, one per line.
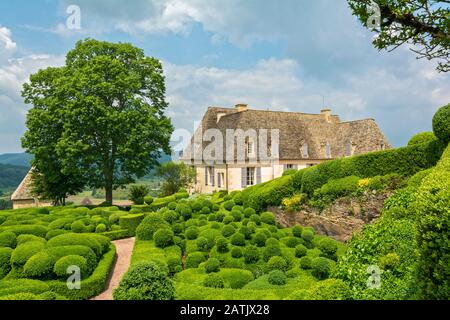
pixel 206 176
pixel 212 176
pixel 219 181
pixel 244 177
pixel 258 175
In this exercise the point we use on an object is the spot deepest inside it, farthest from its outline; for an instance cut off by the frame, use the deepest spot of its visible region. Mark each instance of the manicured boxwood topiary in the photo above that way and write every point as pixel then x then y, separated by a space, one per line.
pixel 145 281
pixel 307 235
pixel 191 233
pixel 321 268
pixel 236 252
pixel 73 239
pixel 39 265
pixel 422 137
pixel 277 277
pixel 260 239
pixel 150 225
pixel 228 230
pixel 236 278
pixel 205 210
pixel 214 281
pixel 329 289
pixel 256 219
pixel 246 231
pixel 305 262
pixel 271 251
pixel 170 216
pixel 251 254
pixel 300 251
pixel 277 263
pixel 212 265
pixel 237 215
pixel 441 124
pixel 131 221
pixel 174 264
pixel 148 200
pixel 8 239
pixel 292 242
pixel 34 229
pixel 100 228
pixel 268 218
pixel 184 210
pixel 202 244
pixel 163 238
pixel 17 286
pixel 272 242
pixel 222 245
pixel 297 231
pixel 5 257
pixel 228 205
pixel 329 248
pixel 78 226
pixel 24 252
pixel 194 259
pixel 238 239
pixel 248 212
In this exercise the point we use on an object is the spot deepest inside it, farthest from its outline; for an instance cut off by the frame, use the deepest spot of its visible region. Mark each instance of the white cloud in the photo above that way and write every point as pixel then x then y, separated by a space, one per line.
pixel 7 45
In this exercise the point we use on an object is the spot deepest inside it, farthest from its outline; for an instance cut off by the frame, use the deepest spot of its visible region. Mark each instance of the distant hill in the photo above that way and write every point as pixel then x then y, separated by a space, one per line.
pixel 11 176
pixel 16 159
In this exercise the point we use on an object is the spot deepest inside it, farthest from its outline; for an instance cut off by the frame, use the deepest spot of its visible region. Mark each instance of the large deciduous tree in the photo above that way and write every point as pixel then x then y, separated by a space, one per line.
pixel 175 176
pixel 423 24
pixel 101 116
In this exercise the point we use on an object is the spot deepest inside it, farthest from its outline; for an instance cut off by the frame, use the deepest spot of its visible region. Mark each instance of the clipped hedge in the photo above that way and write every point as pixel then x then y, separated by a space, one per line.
pixel 131 222
pixel 150 225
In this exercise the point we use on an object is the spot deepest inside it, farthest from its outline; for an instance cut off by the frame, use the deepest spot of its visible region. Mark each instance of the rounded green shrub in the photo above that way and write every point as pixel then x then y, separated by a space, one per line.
pixel 305 262
pixel 163 238
pixel 292 242
pixel 73 239
pixel 236 252
pixel 191 233
pixel 238 198
pixel 237 215
pixel 300 251
pixel 63 266
pixel 228 230
pixel 277 263
pixel 260 239
pixel 228 205
pixel 150 225
pixel 238 239
pixel 212 265
pixel 205 210
pixel 277 278
pixel 174 264
pixel 248 212
pixel 202 244
pixel 271 251
pixel 422 137
pixel 389 261
pixel 297 231
pixel 170 216
pixel 39 265
pixel 8 239
pixel 172 205
pixel 145 281
pixel 214 281
pixel 59 252
pixel 237 278
pixel 228 219
pixel 329 289
pixel 100 228
pixel 25 251
pixel 256 219
pixel 441 124
pixel 194 259
pixel 251 254
pixel 220 216
pixel 222 245
pixel 5 257
pixel 148 200
pixel 78 226
pixel 43 211
pixel 329 248
pixel 246 232
pixel 196 205
pixel 272 242
pixel 321 268
pixel 307 235
pixel 268 218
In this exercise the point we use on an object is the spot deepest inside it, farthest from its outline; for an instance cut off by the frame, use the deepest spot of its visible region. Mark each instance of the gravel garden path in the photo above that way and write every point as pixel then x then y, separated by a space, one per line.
pixel 124 249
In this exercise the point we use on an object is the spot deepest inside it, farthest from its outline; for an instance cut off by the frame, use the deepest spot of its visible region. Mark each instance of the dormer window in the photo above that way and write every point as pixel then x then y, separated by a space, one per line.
pixel 250 148
pixel 328 150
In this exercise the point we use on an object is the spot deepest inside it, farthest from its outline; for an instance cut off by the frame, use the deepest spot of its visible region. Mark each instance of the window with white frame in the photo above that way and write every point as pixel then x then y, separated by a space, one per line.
pixel 250 148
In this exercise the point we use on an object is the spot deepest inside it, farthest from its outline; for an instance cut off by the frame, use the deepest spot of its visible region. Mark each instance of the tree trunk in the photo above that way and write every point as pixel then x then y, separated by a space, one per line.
pixel 109 191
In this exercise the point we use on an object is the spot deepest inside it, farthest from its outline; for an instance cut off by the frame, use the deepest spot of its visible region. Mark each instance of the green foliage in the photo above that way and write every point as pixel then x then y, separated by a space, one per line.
pixel 8 239
pixel 5 257
pixel 236 278
pixel 148 200
pixel 214 281
pixel 251 254
pixel 137 193
pixel 277 263
pixel 300 251
pixel 191 233
pixel 170 216
pixel 238 239
pixel 305 262
pixel 292 242
pixel 329 289
pixel 270 193
pixel 422 137
pixel 38 266
pixel 297 231
pixel 248 212
pixel 61 267
pixel 100 228
pixel 260 239
pixel 194 259
pixel 150 225
pixel 277 277
pixel 175 176
pixel 222 245
pixel 236 252
pixel 307 235
pixel 432 207
pixel 203 244
pixel 163 238
pixel 271 251
pixel 212 265
pixel 24 252
pixel 73 239
pixel 268 217
pixel 329 248
pixel 441 124
pixel 337 188
pixel 389 261
pixel 321 268
pixel 78 226
pixel 131 222
pixel 184 210
pixel 145 281
pixel 228 231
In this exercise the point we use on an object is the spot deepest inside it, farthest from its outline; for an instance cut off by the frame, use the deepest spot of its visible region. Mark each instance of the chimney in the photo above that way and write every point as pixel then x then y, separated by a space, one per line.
pixel 241 107
pixel 327 114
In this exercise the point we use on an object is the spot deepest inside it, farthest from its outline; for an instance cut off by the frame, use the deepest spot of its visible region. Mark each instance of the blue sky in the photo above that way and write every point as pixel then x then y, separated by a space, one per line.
pixel 281 55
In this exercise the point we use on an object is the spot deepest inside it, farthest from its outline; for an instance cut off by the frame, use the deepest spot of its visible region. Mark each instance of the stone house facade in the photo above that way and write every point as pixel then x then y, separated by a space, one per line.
pixel 302 140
